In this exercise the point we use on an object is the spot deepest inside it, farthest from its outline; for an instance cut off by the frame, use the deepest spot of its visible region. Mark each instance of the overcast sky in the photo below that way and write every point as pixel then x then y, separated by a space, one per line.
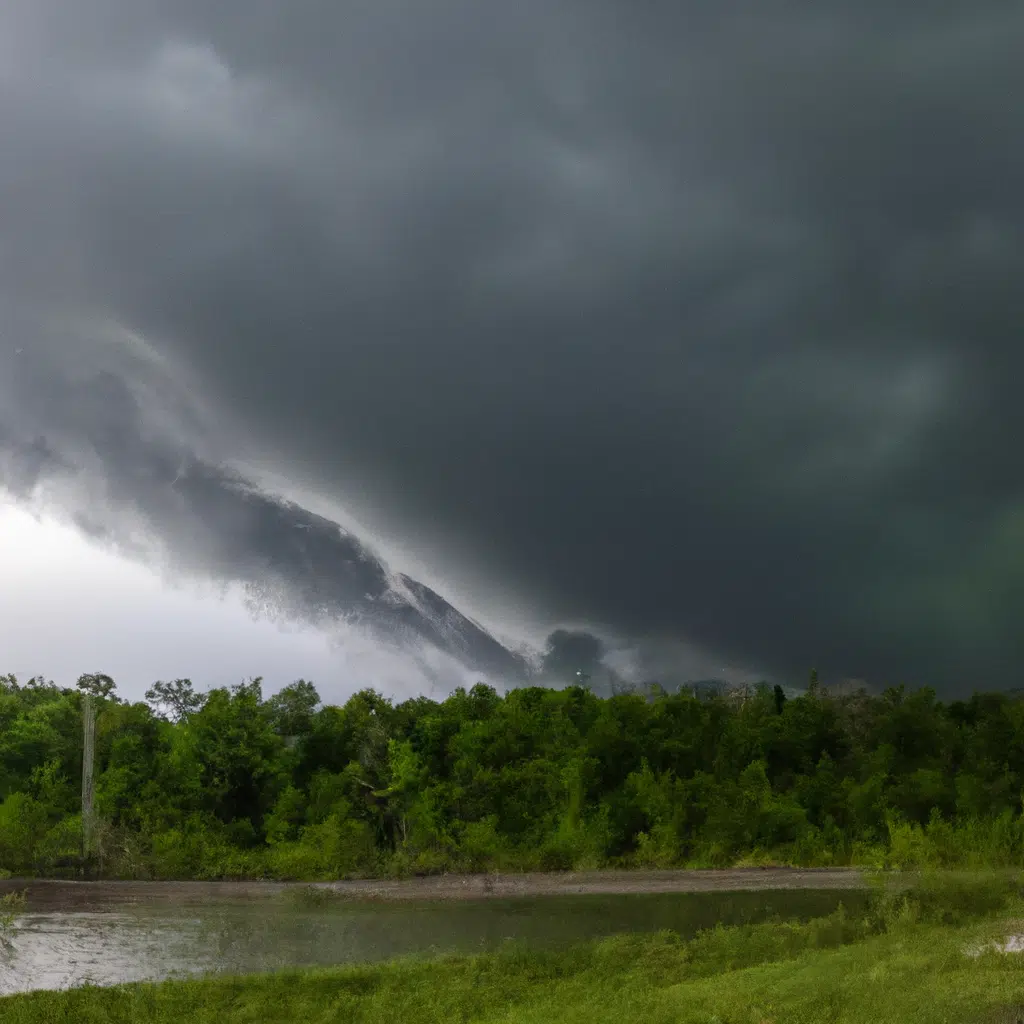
pixel 696 323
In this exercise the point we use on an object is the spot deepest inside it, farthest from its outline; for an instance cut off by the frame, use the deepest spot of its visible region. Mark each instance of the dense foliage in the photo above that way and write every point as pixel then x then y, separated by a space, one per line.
pixel 227 784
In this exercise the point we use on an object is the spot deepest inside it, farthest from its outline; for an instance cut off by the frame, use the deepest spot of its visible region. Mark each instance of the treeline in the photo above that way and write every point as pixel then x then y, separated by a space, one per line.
pixel 226 784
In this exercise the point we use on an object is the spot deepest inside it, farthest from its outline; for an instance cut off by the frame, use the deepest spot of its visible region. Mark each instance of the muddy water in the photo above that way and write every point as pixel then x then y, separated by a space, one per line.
pixel 105 933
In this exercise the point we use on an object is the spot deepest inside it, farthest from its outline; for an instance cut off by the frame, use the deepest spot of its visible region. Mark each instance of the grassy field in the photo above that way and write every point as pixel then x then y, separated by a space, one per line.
pixel 906 961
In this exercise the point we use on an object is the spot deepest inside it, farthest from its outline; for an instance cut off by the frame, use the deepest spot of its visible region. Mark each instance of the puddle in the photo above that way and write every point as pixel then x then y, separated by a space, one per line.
pixel 1009 944
pixel 108 933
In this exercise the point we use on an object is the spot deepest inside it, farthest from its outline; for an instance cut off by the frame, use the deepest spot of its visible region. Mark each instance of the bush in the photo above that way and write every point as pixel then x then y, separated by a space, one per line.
pixel 908 845
pixel 345 845
pixel 192 850
pixel 556 855
pixel 480 846
pixel 23 823
pixel 60 845
pixel 956 899
pixel 725 948
pixel 944 899
pixel 294 862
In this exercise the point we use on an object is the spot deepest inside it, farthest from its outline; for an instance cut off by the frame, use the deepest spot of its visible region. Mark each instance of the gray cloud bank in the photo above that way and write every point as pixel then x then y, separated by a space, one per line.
pixel 124 482
pixel 696 323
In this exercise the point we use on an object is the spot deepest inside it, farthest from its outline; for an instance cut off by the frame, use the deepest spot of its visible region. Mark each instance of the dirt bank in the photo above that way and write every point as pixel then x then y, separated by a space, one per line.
pixel 604 883
pixel 64 895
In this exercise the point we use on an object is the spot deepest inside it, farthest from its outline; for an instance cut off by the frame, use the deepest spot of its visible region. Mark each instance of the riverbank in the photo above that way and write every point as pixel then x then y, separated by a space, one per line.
pixel 65 893
pixel 599 883
pixel 898 963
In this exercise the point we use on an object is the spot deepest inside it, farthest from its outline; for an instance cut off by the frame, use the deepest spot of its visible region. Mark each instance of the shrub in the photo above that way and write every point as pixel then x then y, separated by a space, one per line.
pixel 23 822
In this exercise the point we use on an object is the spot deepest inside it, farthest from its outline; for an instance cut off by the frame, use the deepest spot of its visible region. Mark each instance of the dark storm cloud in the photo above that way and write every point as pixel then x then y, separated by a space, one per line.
pixel 123 480
pixel 691 324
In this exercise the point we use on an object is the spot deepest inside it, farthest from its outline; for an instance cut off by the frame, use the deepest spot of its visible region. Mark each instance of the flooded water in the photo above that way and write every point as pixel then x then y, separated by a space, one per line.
pixel 1008 944
pixel 105 933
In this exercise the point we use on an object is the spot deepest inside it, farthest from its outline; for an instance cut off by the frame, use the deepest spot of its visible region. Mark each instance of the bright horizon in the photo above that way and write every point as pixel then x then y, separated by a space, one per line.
pixel 67 606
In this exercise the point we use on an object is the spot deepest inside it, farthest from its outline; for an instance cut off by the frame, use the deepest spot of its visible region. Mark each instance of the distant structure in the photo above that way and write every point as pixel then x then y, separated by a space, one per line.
pixel 88 746
pixel 738 695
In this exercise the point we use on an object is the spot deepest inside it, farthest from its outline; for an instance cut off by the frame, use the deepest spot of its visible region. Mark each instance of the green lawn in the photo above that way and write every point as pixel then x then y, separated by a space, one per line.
pixel 901 965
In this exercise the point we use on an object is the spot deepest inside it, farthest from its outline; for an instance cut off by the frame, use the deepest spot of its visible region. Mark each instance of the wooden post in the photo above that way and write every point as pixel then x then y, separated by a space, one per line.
pixel 88 745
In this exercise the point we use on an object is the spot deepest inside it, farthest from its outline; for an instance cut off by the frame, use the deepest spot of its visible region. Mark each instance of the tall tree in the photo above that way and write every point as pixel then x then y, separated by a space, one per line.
pixel 176 700
pixel 97 684
pixel 291 710
pixel 779 697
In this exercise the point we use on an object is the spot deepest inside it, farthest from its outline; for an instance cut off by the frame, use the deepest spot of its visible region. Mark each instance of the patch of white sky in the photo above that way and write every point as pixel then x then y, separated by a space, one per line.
pixel 69 606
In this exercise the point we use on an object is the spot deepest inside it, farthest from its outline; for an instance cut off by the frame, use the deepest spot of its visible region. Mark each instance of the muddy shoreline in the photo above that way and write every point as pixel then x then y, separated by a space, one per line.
pixel 447 887
pixel 600 883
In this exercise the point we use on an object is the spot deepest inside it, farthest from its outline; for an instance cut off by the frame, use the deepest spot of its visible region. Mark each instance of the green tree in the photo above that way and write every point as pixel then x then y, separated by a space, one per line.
pixel 291 710
pixel 779 697
pixel 97 684
pixel 176 700
pixel 238 754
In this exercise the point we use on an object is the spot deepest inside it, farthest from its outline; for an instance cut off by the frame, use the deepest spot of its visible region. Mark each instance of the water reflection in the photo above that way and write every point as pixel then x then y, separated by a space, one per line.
pixel 105 937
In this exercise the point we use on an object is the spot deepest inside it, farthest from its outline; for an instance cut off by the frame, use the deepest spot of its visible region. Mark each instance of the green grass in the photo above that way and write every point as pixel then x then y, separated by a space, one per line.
pixel 11 905
pixel 903 962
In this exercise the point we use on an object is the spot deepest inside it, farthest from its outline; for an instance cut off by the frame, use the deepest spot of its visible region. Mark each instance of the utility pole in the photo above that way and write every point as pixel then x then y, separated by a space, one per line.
pixel 88 745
